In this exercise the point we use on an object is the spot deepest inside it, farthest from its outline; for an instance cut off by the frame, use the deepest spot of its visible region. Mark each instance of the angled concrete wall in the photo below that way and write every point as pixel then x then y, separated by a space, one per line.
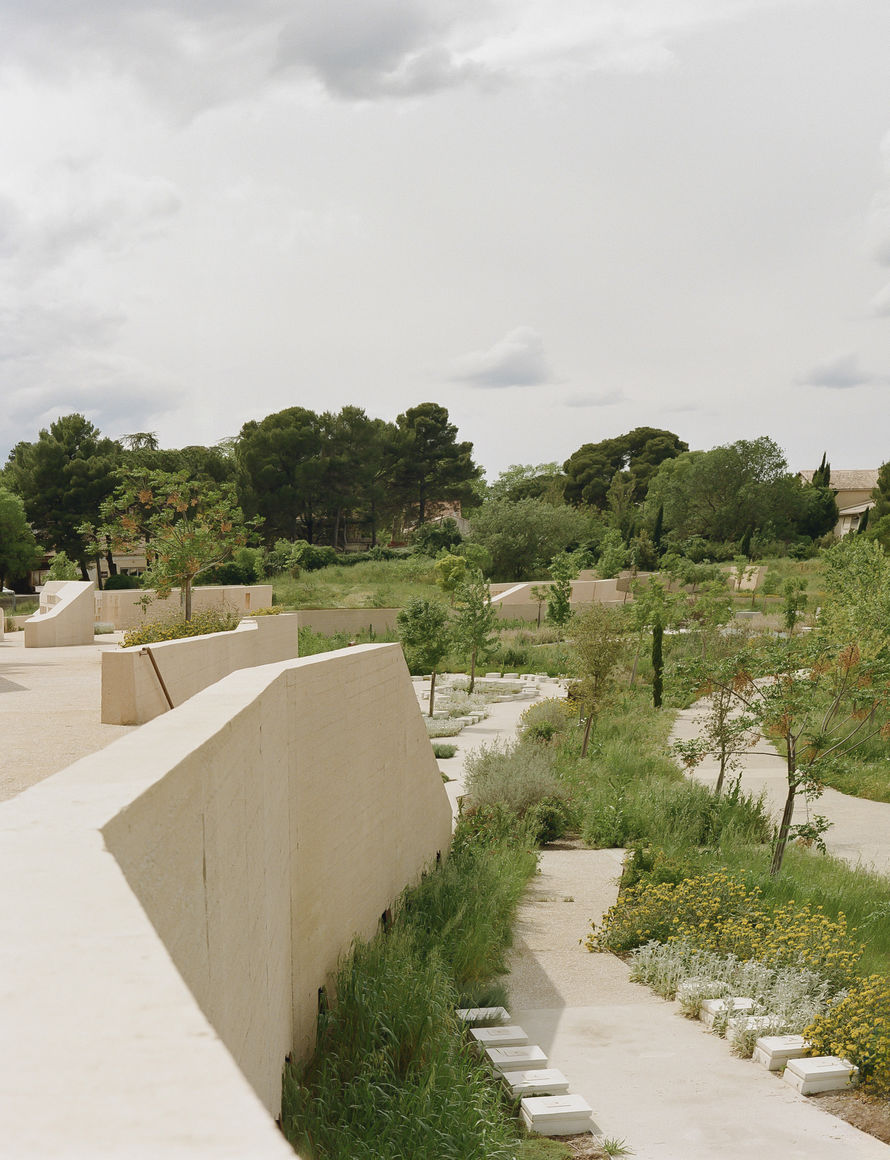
pixel 65 616
pixel 181 896
pixel 131 685
pixel 515 601
pixel 121 606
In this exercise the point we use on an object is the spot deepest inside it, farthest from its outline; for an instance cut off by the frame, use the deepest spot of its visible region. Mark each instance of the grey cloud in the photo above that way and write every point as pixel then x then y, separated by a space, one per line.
pixel 517 360
pixel 840 374
pixel 595 399
pixel 880 304
pixel 379 48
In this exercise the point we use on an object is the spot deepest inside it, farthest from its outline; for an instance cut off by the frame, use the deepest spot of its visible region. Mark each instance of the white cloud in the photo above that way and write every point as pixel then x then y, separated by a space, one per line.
pixel 516 360
pixel 595 399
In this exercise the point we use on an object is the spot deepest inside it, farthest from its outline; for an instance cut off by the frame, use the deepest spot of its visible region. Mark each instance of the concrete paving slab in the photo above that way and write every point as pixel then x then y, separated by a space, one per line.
pixel 49 709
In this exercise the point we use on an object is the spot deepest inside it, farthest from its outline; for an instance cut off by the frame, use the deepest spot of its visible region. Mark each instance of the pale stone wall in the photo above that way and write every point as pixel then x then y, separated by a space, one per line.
pixel 121 606
pixel 181 896
pixel 132 693
pixel 65 616
pixel 352 620
pixel 515 602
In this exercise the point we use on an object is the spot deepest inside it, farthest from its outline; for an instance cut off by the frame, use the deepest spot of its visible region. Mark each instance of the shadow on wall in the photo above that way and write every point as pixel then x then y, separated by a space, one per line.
pixel 153 994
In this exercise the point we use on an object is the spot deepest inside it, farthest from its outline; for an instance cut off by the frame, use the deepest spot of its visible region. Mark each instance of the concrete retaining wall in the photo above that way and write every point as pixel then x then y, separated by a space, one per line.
pixel 351 620
pixel 181 896
pixel 515 602
pixel 65 616
pixel 132 692
pixel 121 606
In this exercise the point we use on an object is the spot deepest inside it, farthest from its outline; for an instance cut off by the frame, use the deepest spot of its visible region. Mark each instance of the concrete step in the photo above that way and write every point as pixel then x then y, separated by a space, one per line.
pixel 774 1051
pixel 819 1073
pixel 565 1115
pixel 713 1009
pixel 545 1081
pixel 516 1058
pixel 509 1036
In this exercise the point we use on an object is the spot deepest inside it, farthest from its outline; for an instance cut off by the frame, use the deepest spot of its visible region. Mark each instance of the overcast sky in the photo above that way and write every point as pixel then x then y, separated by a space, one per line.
pixel 559 218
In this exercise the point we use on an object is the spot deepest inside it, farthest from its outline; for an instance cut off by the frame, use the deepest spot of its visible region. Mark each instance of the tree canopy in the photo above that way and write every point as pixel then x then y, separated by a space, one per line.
pixel 18 548
pixel 62 479
pixel 591 469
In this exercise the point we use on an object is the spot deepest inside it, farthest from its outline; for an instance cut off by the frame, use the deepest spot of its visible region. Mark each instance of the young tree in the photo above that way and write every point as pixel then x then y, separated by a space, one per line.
pixel 559 593
pixel 539 595
pixel 613 554
pixel 522 536
pixel 450 573
pixel 185 526
pixel 598 640
pixel 425 634
pixel 725 731
pixel 473 628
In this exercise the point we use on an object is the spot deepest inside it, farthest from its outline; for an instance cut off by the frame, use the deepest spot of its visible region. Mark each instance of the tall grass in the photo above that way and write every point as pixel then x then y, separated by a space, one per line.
pixel 392 1076
pixel 371 584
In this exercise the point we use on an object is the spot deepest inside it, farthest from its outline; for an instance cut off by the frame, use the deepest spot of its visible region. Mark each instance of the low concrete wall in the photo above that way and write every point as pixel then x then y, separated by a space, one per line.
pixel 132 692
pixel 182 895
pixel 515 602
pixel 65 616
pixel 121 606
pixel 352 620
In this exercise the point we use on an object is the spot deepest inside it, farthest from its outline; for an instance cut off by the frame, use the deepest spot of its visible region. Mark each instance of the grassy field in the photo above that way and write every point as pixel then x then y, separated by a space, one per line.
pixel 371 584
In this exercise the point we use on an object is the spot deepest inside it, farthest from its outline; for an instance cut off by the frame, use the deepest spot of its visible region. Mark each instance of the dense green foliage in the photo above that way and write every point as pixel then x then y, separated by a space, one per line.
pixel 18 548
pixel 591 470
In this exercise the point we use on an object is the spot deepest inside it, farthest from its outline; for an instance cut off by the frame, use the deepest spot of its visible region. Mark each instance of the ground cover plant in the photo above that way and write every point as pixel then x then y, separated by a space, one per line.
pixel 392 1075
pixel 208 620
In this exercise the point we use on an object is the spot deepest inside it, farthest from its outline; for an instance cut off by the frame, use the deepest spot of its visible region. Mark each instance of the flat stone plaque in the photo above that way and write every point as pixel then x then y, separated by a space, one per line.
pixel 539 1082
pixel 509 1036
pixel 516 1058
pixel 821 1073
pixel 774 1051
pixel 556 1115
pixel 712 1009
pixel 482 1014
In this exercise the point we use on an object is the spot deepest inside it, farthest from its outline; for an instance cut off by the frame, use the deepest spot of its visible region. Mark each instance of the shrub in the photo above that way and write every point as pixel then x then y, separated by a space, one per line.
pixel 857 1027
pixel 207 621
pixel 719 912
pixel 120 581
pixel 444 750
pixel 546 719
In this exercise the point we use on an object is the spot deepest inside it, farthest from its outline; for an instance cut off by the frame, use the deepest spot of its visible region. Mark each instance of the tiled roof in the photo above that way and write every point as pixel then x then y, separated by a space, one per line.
pixel 843 480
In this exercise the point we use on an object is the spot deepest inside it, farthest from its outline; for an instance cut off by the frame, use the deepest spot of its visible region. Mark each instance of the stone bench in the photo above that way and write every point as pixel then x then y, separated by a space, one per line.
pixel 565 1115
pixel 515 1058
pixel 819 1073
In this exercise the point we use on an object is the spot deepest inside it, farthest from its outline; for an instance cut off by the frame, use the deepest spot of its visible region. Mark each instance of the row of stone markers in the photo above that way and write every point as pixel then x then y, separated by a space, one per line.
pixel 545 1105
pixel 808 1074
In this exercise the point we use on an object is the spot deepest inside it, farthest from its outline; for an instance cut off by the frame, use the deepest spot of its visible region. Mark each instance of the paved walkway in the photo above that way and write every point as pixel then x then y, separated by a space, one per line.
pixel 653 1078
pixel 49 709
pixel 860 831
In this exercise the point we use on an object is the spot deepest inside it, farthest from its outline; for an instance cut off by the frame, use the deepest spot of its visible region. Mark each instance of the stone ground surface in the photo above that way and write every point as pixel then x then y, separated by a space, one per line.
pixel 49 709
pixel 860 830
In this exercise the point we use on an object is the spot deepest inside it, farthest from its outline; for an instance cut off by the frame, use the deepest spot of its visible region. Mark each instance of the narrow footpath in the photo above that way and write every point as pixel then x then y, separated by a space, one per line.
pixel 860 830
pixel 656 1080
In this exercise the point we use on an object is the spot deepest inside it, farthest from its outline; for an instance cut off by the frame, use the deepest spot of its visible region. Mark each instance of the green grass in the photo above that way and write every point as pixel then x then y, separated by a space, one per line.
pixel 372 584
pixel 393 1075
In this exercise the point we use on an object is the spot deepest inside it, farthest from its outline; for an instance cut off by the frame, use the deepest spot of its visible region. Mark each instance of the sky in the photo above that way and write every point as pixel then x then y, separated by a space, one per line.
pixel 561 219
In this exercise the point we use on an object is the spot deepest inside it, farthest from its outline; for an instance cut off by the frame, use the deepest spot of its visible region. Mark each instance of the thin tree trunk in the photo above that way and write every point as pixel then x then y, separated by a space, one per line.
pixel 719 786
pixel 98 572
pixel 187 594
pixel 472 670
pixel 432 691
pixel 787 814
pixel 587 728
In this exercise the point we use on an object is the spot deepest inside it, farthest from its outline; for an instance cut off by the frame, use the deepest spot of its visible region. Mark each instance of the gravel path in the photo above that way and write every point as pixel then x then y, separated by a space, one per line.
pixel 49 709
